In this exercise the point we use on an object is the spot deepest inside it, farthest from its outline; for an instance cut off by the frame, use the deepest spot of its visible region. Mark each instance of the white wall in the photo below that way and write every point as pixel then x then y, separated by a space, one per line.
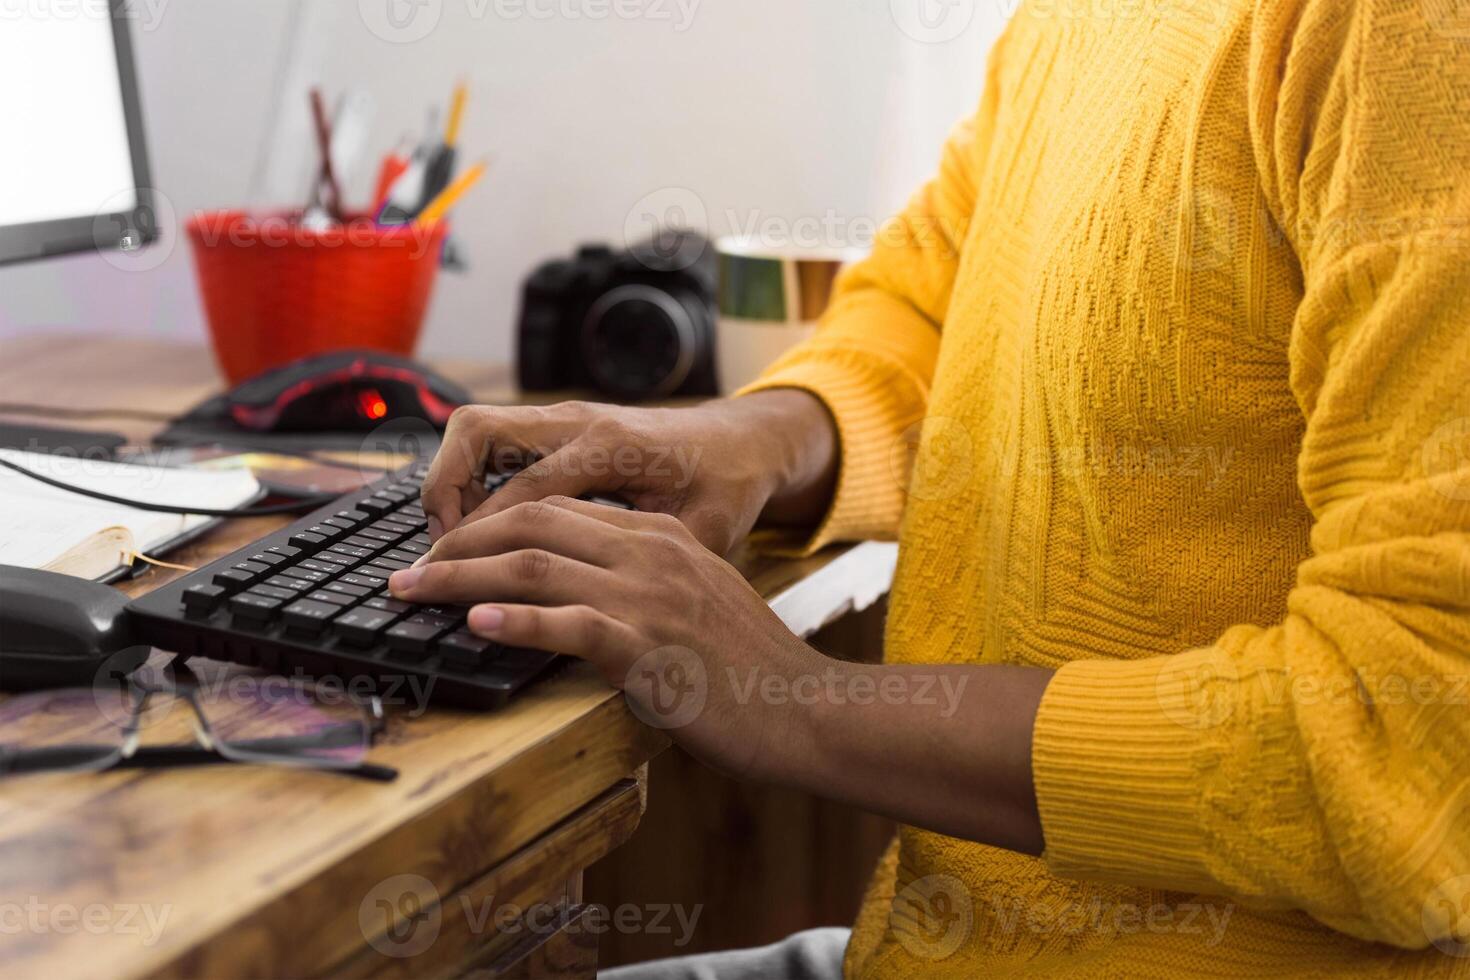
pixel 825 113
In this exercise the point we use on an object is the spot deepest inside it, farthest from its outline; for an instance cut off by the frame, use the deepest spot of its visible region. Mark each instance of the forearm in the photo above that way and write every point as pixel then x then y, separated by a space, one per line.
pixel 944 747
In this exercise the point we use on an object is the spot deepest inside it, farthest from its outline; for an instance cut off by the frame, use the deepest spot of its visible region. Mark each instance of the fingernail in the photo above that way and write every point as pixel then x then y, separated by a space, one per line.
pixel 404 581
pixel 486 619
pixel 436 528
pixel 423 560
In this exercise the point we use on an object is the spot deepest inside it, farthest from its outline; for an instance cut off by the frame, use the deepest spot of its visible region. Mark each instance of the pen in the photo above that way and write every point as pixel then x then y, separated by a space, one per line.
pixel 441 205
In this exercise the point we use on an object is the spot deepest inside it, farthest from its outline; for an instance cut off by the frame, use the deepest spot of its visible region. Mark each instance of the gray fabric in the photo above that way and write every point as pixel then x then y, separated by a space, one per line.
pixel 814 955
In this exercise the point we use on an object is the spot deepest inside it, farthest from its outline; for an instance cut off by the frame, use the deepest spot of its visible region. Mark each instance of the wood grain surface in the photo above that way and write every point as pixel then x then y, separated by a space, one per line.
pixel 269 872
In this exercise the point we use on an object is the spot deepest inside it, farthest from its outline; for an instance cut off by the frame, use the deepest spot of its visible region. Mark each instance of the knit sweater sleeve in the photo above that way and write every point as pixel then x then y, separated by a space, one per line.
pixel 872 359
pixel 1320 763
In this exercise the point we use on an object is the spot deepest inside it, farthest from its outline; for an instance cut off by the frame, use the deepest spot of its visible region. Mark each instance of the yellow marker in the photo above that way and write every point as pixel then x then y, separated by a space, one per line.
pixel 450 196
pixel 456 114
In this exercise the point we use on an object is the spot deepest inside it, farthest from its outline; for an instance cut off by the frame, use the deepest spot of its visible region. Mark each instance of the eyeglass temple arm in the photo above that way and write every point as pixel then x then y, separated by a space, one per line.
pixel 166 756
pixel 152 757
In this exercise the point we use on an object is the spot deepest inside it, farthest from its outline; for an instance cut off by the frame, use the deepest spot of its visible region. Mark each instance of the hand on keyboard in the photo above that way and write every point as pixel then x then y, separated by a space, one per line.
pixel 717 467
pixel 637 595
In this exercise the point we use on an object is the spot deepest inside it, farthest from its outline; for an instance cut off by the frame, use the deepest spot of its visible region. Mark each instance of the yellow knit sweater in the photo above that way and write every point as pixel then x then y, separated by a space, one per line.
pixel 1186 318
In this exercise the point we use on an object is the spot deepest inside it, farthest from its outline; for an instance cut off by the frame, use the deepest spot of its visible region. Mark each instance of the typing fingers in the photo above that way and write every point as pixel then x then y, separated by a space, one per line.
pixel 483 438
pixel 553 525
pixel 525 575
pixel 580 631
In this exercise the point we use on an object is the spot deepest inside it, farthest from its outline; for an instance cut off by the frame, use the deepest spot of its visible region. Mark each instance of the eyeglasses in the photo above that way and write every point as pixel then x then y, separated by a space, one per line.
pixel 236 718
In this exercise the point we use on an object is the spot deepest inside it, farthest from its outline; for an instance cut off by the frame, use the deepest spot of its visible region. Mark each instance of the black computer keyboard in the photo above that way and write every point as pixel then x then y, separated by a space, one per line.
pixel 313 599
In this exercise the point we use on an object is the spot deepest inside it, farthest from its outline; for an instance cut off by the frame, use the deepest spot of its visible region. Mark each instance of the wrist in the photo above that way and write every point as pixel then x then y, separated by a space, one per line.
pixel 795 438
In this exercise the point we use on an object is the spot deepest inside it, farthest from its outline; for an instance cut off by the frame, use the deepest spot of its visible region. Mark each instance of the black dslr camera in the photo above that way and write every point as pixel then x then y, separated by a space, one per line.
pixel 637 325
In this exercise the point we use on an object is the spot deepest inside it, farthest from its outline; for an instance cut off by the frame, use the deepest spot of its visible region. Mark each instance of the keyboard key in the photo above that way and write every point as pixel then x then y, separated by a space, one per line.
pixel 265 558
pixel 414 548
pixel 393 495
pixel 255 608
pixel 272 592
pixel 422 539
pixel 320 564
pixel 387 566
pixel 411 637
pixel 440 622
pixel 233 579
pixel 326 531
pixel 378 534
pixel 351 551
pixel 388 605
pixel 294 584
pixel 397 522
pixel 355 516
pixel 453 614
pixel 203 598
pixel 334 598
pixel 341 588
pixel 333 557
pixel 307 541
pixel 465 650
pixel 398 554
pixel 285 551
pixel 375 505
pixel 341 523
pixel 307 574
pixel 362 625
pixel 308 616
pixel 358 541
pixel 366 581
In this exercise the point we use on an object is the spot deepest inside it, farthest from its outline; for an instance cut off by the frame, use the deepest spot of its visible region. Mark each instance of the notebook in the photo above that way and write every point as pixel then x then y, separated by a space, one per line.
pixel 42 527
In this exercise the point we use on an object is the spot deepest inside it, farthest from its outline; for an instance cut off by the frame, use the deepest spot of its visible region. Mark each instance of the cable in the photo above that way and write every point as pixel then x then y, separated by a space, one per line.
pixel 295 507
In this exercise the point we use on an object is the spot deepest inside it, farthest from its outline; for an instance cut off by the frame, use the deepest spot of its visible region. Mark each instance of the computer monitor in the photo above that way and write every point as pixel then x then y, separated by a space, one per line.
pixel 73 172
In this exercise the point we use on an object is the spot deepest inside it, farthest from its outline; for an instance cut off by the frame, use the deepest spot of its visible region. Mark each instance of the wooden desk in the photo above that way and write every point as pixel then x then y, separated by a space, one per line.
pixel 252 871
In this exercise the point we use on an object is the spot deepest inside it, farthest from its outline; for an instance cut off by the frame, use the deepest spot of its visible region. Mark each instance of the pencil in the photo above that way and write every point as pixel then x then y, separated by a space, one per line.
pixel 456 114
pixel 440 206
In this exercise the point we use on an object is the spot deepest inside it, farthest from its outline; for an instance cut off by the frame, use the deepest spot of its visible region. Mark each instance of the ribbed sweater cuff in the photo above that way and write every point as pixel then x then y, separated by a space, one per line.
pixel 1117 756
pixel 871 410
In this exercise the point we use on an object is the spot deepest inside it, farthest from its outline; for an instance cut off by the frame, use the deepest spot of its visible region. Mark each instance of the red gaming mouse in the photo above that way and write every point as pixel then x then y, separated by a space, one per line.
pixel 345 391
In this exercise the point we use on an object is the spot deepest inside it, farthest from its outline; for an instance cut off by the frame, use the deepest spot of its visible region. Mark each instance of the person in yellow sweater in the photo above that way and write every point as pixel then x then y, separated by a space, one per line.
pixel 1163 385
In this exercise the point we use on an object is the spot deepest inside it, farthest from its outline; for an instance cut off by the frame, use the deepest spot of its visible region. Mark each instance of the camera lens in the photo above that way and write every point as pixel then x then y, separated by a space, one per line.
pixel 640 342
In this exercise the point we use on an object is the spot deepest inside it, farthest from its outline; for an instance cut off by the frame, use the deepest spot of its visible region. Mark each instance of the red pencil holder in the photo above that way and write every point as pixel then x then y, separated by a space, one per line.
pixel 275 292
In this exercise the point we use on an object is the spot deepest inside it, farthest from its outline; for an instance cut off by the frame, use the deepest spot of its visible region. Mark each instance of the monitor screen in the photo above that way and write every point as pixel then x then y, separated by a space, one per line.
pixel 70 176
